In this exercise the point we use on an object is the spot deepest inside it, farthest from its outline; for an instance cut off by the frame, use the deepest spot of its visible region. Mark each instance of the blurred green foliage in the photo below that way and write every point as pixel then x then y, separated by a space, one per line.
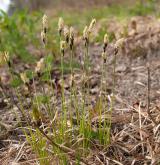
pixel 17 32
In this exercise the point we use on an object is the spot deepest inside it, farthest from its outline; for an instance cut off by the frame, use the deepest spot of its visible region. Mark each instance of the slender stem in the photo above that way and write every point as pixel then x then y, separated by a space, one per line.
pixel 101 100
pixel 51 85
pixel 85 95
pixel 71 61
pixel 113 90
pixel 20 108
pixel 106 134
pixel 148 90
pixel 88 85
pixel 64 121
pixel 38 106
pixel 114 80
pixel 148 94
pixel 72 85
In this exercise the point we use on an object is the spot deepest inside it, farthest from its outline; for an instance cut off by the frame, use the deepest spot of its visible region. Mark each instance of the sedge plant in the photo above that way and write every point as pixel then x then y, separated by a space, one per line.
pixel 55 134
pixel 85 126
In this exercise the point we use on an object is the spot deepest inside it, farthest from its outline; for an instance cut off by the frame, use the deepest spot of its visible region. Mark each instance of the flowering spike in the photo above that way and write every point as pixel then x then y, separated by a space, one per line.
pixel 6 56
pixel 106 40
pixel 24 78
pixel 2 59
pixel 62 46
pixel 85 33
pixel 40 66
pixel 104 56
pixel 66 34
pixel 71 37
pixel 71 32
pixel 43 37
pixel 45 23
pixel 60 25
pixel 119 43
pixel 91 26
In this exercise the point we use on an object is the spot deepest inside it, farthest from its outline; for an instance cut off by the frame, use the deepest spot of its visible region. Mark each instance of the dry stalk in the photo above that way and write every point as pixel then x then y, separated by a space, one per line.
pixel 148 94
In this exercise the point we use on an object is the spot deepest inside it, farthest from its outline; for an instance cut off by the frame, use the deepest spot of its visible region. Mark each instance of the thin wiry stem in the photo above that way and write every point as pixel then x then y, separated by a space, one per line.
pixel 72 84
pixel 62 93
pixel 148 94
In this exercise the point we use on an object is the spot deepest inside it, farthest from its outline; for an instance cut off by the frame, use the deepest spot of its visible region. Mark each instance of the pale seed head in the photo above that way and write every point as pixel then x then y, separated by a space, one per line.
pixel 91 26
pixel 43 37
pixel 106 40
pixel 24 78
pixel 44 19
pixel 104 56
pixel 66 33
pixel 62 45
pixel 71 32
pixel 2 59
pixel 119 43
pixel 71 37
pixel 40 65
pixel 60 24
pixel 6 56
pixel 85 33
pixel 45 23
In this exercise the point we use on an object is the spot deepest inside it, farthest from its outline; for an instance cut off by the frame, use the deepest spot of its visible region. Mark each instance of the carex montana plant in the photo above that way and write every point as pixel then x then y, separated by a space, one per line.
pixel 60 120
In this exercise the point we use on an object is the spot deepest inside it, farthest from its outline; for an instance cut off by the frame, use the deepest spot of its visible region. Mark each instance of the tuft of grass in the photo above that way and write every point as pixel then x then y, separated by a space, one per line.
pixel 18 32
pixel 53 129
